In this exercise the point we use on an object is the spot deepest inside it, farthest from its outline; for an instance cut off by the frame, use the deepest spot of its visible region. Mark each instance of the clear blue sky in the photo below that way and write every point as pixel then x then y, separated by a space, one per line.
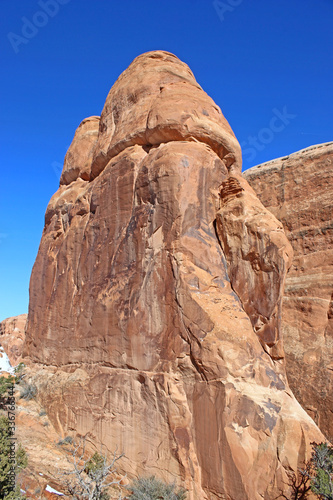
pixel 257 59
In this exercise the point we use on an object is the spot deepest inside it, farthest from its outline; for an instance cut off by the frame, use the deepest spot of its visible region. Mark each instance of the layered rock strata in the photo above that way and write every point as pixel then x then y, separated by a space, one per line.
pixel 298 190
pixel 144 319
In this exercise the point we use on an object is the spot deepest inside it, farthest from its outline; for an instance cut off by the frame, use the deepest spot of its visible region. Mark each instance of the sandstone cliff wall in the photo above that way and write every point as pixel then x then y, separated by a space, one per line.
pixel 298 190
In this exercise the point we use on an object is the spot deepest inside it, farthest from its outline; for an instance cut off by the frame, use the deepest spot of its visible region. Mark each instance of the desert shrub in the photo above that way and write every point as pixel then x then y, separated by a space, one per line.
pixel 42 413
pixel 94 464
pixel 316 477
pixel 322 477
pixel 151 488
pixel 92 478
pixel 66 440
pixel 15 495
pixel 6 392
pixel 5 384
pixel 28 391
pixel 19 372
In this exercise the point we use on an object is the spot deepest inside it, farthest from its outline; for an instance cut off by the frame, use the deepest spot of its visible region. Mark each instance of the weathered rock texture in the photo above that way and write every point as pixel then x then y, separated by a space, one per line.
pixel 298 190
pixel 142 340
pixel 258 256
pixel 48 454
pixel 80 153
pixel 12 335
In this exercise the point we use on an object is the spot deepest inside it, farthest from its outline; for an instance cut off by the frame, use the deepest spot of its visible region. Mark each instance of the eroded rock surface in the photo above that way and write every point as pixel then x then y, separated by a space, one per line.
pixel 12 335
pixel 258 255
pixel 298 190
pixel 157 100
pixel 80 153
pixel 141 339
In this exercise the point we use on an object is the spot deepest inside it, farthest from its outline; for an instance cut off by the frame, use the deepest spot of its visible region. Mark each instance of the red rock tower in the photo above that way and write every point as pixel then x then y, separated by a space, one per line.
pixel 156 293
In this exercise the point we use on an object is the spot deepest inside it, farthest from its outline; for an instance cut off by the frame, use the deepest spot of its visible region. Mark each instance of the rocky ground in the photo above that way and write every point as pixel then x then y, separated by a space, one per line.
pixel 49 454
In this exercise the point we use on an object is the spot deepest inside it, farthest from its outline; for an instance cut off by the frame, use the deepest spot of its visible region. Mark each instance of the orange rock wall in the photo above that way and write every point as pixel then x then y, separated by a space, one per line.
pixel 298 190
pixel 139 328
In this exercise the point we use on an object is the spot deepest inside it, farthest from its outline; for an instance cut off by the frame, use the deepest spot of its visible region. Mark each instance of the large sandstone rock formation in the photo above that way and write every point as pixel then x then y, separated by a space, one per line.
pixel 12 335
pixel 156 293
pixel 298 190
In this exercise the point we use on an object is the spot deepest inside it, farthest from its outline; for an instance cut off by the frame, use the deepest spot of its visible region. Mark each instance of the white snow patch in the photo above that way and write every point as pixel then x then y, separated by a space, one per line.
pixel 52 490
pixel 5 365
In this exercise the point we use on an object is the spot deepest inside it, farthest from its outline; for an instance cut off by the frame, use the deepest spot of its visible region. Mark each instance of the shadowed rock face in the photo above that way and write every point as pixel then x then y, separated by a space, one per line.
pixel 298 190
pixel 146 334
